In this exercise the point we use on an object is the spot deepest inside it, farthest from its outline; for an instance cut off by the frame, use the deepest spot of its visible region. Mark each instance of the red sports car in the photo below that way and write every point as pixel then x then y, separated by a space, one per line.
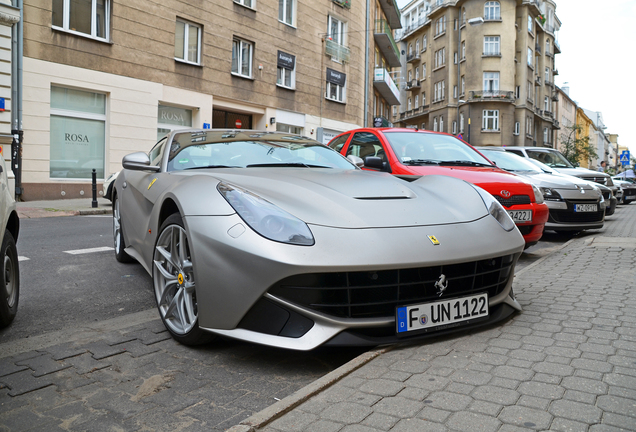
pixel 414 152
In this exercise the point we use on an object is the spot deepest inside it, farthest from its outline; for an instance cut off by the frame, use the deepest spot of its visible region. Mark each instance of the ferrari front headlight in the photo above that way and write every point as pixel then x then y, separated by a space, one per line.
pixel 265 218
pixel 496 210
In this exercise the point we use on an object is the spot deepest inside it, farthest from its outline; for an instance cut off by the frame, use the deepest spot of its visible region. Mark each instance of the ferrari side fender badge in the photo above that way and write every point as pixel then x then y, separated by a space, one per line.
pixel 152 182
pixel 433 240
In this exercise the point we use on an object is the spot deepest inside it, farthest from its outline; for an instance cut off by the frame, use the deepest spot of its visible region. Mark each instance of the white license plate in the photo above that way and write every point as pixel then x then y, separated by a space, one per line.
pixel 427 316
pixel 521 215
pixel 579 208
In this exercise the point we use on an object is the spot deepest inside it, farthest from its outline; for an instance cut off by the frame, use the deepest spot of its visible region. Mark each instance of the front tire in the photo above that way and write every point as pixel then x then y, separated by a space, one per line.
pixel 174 284
pixel 10 289
pixel 118 235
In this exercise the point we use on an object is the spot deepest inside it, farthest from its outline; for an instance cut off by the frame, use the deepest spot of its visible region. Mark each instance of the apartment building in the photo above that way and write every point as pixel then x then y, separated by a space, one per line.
pixel 481 69
pixel 104 78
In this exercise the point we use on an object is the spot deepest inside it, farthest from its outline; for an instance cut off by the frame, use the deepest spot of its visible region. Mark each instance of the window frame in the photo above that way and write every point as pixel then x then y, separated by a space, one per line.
pixel 487 117
pixel 282 12
pixel 240 59
pixel 66 18
pixel 342 30
pixel 492 8
pixel 492 45
pixel 186 36
pixel 491 81
pixel 292 77
pixel 341 92
pixel 242 3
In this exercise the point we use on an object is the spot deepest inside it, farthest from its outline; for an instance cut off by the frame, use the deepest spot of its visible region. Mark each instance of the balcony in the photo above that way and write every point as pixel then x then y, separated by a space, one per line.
pixel 392 13
pixel 555 71
pixel 339 53
pixel 438 4
pixel 413 57
pixel 343 3
pixel 557 47
pixel 549 83
pixel 537 49
pixel 534 3
pixel 537 80
pixel 413 85
pixel 491 96
pixel 385 85
pixel 385 43
pixel 410 28
pixel 491 54
pixel 406 115
pixel 548 114
pixel 555 97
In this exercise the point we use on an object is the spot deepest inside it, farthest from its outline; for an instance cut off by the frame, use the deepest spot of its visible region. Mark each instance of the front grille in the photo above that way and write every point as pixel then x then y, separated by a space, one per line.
pixel 629 192
pixel 375 294
pixel 596 179
pixel 513 200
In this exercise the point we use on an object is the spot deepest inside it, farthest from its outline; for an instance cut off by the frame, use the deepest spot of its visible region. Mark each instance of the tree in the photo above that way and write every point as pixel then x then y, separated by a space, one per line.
pixel 576 147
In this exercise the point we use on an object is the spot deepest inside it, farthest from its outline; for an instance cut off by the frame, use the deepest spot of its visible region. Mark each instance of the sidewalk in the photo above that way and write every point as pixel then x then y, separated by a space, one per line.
pixel 567 362
pixel 68 207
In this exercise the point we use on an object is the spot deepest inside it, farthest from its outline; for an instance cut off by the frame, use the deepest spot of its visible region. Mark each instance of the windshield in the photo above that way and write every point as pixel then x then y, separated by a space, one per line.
pixel 510 162
pixel 542 166
pixel 420 148
pixel 241 150
pixel 550 158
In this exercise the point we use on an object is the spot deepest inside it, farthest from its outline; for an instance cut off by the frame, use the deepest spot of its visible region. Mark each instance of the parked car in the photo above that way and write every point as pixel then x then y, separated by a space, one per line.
pixel 575 204
pixel 276 239
pixel 108 185
pixel 555 160
pixel 628 187
pixel 419 152
pixel 610 201
pixel 9 230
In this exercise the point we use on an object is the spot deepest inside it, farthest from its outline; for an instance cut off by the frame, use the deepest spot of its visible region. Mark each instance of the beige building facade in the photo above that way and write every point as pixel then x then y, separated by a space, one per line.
pixel 103 78
pixel 482 69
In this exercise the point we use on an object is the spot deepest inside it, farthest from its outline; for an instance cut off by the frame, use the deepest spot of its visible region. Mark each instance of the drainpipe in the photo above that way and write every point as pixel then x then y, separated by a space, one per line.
pixel 17 50
pixel 366 68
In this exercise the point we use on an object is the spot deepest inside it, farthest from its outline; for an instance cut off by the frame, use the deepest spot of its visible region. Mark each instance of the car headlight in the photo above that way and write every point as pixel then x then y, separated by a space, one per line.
pixel 496 210
pixel 538 196
pixel 550 194
pixel 265 218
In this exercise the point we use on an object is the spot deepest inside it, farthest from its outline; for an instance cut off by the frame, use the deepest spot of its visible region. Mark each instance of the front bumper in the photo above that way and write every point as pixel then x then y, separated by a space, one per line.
pixel 235 268
pixel 564 218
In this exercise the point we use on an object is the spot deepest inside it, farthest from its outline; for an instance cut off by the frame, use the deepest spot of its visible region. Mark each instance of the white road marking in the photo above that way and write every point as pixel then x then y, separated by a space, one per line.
pixel 91 250
pixel 23 258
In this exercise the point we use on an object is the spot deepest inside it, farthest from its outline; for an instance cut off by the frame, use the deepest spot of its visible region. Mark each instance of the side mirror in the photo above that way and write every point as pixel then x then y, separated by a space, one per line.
pixel 373 162
pixel 138 162
pixel 356 161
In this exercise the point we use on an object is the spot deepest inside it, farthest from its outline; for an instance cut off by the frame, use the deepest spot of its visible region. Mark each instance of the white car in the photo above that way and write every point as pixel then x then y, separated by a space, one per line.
pixel 108 185
pixel 10 226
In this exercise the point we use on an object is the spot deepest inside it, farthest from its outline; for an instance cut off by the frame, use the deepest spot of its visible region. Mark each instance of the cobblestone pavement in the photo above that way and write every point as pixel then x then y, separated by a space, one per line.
pixel 566 363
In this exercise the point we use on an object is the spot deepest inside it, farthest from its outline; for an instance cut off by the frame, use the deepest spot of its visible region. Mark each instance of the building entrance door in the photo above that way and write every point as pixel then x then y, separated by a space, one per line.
pixel 230 120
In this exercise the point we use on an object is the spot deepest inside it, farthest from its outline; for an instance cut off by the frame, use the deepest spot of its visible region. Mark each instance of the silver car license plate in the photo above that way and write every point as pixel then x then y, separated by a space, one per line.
pixel 579 208
pixel 521 215
pixel 427 316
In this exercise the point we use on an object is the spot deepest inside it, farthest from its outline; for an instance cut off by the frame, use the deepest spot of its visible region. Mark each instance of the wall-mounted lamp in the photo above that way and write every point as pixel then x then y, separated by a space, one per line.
pixel 312 131
pixel 272 120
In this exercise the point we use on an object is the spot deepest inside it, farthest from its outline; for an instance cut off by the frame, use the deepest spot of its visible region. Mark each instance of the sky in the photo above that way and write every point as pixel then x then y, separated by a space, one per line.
pixel 596 40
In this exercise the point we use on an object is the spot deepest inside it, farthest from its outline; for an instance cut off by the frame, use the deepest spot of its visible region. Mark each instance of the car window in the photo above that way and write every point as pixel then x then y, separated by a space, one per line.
pixel 420 146
pixel 365 144
pixel 509 161
pixel 338 142
pixel 157 152
pixel 517 152
pixel 550 158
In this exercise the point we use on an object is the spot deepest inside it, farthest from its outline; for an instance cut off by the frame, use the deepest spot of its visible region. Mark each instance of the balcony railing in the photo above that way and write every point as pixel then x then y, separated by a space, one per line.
pixel 492 95
pixel 438 4
pixel 537 80
pixel 384 40
pixel 343 3
pixel 392 12
pixel 537 49
pixel 548 114
pixel 555 71
pixel 337 52
pixel 412 57
pixel 491 54
pixel 423 109
pixel 548 82
pixel 411 27
pixel 557 47
pixel 413 85
pixel 383 82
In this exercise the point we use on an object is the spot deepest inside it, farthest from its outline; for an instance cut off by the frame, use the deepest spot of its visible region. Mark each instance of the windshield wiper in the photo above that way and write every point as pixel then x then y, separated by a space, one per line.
pixel 211 166
pixel 465 163
pixel 288 164
pixel 421 162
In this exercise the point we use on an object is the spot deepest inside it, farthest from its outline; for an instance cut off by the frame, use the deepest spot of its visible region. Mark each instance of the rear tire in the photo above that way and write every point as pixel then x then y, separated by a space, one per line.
pixel 118 234
pixel 174 284
pixel 10 289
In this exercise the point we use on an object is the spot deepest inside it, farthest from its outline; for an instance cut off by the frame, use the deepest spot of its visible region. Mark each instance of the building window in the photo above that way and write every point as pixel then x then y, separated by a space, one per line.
pixel 423 98
pixel 410 50
pixel 529 126
pixel 546 104
pixel 455 92
pixel 440 58
pixel 287 11
pixel 545 135
pixel 410 75
pixel 409 106
pixel 439 89
pixel 417 74
pixel 530 56
pixel 490 120
pixel 463 84
pixel 280 127
pixel 435 124
pixel 417 101
pixel 417 46
pixel 441 123
pixel 78 133
pixel 547 46
pixel 187 42
pixel 517 92
pixel 517 128
pixel 424 42
pixel 337 30
pixel 86 17
pixel 455 57
pixel 547 74
pixel 336 86
pixel 530 91
pixel 492 11
pixel 172 118
pixel 463 50
pixel 242 54
pixel 454 127
pixel 395 107
pixel 424 71
pixel 491 46
pixel 530 24
pixel 461 122
pixel 491 82
pixel 286 70
pixel 246 3
pixel 440 26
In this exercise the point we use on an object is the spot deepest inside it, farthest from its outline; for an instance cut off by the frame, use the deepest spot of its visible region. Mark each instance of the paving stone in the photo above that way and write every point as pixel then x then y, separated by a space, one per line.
pixel 484 407
pixel 382 387
pixel 396 376
pixel 23 419
pixel 409 366
pixel 545 378
pixel 534 402
pixel 356 428
pixel 617 405
pixel 460 388
pixel 377 421
pixel 467 421
pixel 622 392
pixel 346 413
pixel 620 421
pixel 597 348
pixel 101 350
pixel 577 411
pixel 585 385
pixel 44 365
pixel 427 382
pixel 566 425
pixel 505 383
pixel 578 396
pixel 85 363
pixel 398 406
pixel 471 377
pixel 448 401
pixel 497 395
pixel 64 351
pixel 512 372
pixel 553 369
pixel 620 380
pixel 414 393
pixel 23 382
pixel 148 336
pixel 8 367
pixel 414 425
pixel 434 414
pixel 528 418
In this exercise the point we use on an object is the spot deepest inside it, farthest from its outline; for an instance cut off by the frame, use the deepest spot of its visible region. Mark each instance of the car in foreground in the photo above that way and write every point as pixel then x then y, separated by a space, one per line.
pixel 555 160
pixel 628 187
pixel 575 204
pixel 9 230
pixel 276 239
pixel 419 152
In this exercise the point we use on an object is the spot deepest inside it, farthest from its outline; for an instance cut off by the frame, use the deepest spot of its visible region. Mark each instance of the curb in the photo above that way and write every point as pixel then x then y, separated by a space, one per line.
pixel 271 413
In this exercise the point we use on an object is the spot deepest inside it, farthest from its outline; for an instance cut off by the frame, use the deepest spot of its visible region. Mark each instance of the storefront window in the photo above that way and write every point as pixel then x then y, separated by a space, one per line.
pixel 289 129
pixel 172 118
pixel 78 133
